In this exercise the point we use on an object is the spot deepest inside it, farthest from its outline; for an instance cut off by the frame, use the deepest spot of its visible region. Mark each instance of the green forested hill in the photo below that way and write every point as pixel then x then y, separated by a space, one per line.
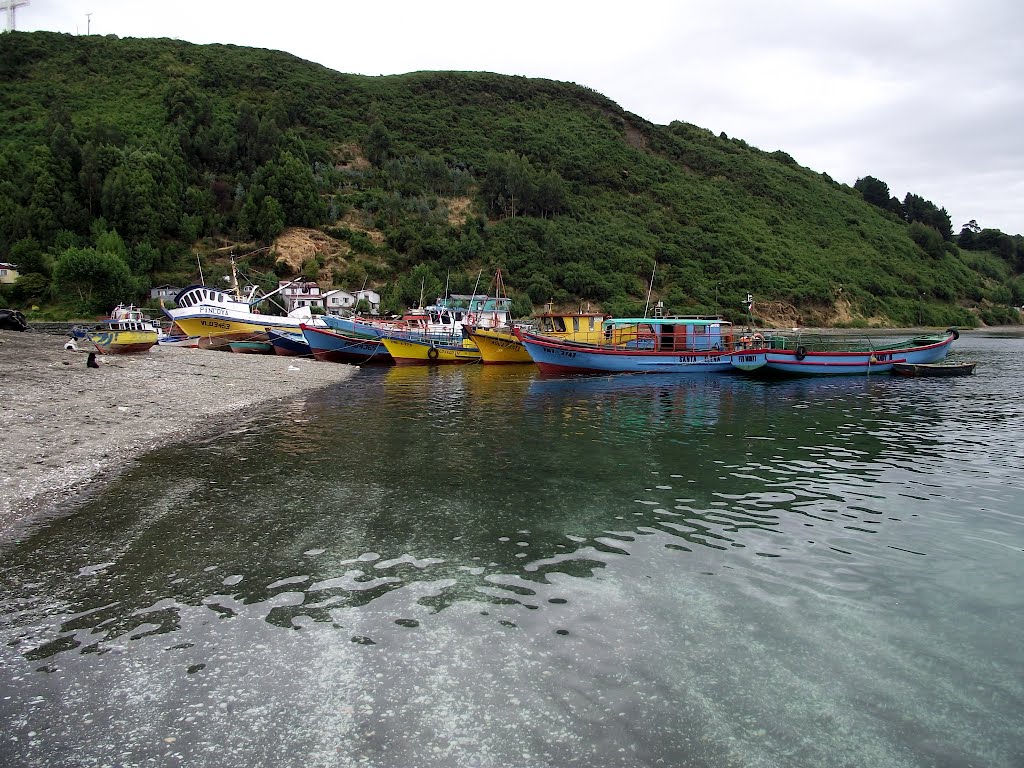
pixel 127 163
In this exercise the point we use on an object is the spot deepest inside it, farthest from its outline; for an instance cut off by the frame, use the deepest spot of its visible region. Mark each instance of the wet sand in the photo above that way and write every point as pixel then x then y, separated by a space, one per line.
pixel 65 427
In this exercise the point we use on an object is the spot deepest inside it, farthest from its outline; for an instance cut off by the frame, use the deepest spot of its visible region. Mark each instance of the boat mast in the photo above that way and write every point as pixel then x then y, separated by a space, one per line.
pixel 234 279
pixel 475 286
pixel 650 289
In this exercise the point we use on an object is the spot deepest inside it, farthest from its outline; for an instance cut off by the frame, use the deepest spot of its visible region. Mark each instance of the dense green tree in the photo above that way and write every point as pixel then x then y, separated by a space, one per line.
pixel 28 255
pixel 377 144
pixel 30 288
pixel 873 191
pixel 920 210
pixel 928 238
pixel 100 279
pixel 291 182
pixel 270 219
pixel 268 140
pixel 45 203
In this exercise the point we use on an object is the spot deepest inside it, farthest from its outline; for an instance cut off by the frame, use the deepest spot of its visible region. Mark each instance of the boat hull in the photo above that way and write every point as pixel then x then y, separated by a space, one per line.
pixel 555 357
pixel 123 342
pixel 335 347
pixel 499 347
pixel 178 341
pixel 219 330
pixel 428 352
pixel 251 347
pixel 801 362
pixel 289 344
pixel 933 370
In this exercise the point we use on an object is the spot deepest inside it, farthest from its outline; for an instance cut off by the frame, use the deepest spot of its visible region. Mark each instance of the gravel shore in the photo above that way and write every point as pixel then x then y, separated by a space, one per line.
pixel 64 425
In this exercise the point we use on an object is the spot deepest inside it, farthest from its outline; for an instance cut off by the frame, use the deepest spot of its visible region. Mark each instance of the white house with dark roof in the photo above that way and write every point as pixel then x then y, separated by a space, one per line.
pixel 300 294
pixel 372 298
pixel 338 301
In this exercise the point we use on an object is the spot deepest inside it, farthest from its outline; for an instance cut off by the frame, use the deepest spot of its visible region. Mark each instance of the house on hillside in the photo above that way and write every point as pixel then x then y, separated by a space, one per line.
pixel 8 273
pixel 372 298
pixel 300 294
pixel 164 293
pixel 338 301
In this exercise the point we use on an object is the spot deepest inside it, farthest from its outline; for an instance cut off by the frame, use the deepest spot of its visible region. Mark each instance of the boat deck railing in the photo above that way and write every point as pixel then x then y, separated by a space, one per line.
pixel 825 342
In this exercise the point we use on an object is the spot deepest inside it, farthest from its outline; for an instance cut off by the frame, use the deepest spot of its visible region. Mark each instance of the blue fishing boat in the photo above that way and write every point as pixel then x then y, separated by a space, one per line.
pixel 289 344
pixel 337 347
pixel 823 355
pixel 640 345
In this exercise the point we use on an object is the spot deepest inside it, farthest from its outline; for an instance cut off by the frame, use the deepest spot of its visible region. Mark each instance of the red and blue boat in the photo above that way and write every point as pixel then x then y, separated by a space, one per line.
pixel 338 347
pixel 839 355
pixel 674 344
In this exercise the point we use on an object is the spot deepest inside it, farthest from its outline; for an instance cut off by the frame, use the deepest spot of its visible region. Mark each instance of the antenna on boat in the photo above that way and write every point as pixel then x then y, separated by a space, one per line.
pixel 202 280
pixel 650 289
pixel 475 286
pixel 234 278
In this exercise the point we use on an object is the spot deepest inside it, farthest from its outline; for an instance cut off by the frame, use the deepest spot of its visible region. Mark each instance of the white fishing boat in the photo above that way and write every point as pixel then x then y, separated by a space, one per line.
pixel 217 317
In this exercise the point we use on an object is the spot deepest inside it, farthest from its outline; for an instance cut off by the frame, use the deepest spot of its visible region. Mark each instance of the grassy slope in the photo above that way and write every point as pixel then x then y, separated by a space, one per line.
pixel 712 212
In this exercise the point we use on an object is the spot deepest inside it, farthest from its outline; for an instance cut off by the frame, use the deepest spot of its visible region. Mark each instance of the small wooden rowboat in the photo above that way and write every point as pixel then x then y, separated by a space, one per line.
pixel 933 369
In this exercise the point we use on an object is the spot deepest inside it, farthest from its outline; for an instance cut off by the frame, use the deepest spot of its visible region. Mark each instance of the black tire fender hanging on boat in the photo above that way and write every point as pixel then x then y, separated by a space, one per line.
pixel 801 352
pixel 955 333
pixel 432 353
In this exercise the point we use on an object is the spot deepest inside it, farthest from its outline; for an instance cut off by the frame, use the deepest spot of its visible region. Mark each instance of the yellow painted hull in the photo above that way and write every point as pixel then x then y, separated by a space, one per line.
pixel 407 352
pixel 499 347
pixel 218 331
pixel 123 342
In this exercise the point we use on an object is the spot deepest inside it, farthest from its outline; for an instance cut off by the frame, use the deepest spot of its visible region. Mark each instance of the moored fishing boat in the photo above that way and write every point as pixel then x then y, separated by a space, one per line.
pixel 451 350
pixel 501 345
pixel 218 317
pixel 414 320
pixel 289 344
pixel 639 345
pixel 125 332
pixel 251 347
pixel 934 370
pixel 337 347
pixel 841 355
pixel 175 337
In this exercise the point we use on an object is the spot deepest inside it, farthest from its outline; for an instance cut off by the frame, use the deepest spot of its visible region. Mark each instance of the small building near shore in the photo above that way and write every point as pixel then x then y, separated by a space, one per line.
pixel 337 301
pixel 164 292
pixel 8 273
pixel 372 298
pixel 300 294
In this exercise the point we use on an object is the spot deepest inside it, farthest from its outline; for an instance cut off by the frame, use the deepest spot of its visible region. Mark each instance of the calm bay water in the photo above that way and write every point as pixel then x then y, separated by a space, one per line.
pixel 482 567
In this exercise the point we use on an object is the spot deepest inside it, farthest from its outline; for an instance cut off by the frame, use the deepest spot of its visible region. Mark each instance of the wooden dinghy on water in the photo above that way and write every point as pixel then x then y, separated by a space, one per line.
pixel 934 369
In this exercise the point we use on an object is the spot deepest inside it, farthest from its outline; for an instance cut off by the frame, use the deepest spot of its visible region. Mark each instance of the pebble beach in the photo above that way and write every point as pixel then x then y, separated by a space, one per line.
pixel 65 428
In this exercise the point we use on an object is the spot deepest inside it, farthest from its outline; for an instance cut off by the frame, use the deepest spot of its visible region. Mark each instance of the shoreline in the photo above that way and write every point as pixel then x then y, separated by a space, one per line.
pixel 66 429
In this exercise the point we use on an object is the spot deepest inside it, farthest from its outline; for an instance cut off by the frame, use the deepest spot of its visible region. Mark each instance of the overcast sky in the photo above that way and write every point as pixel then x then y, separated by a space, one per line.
pixel 926 96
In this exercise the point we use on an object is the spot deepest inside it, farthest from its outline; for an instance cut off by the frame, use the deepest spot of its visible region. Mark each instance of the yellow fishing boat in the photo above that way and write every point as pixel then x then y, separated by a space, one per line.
pixel 500 345
pixel 125 332
pixel 425 351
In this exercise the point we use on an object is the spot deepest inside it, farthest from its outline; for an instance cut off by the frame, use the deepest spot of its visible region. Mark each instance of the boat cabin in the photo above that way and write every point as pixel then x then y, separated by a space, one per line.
pixel 670 334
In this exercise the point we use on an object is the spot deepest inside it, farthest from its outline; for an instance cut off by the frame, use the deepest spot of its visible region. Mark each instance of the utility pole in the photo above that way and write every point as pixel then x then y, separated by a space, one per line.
pixel 10 6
